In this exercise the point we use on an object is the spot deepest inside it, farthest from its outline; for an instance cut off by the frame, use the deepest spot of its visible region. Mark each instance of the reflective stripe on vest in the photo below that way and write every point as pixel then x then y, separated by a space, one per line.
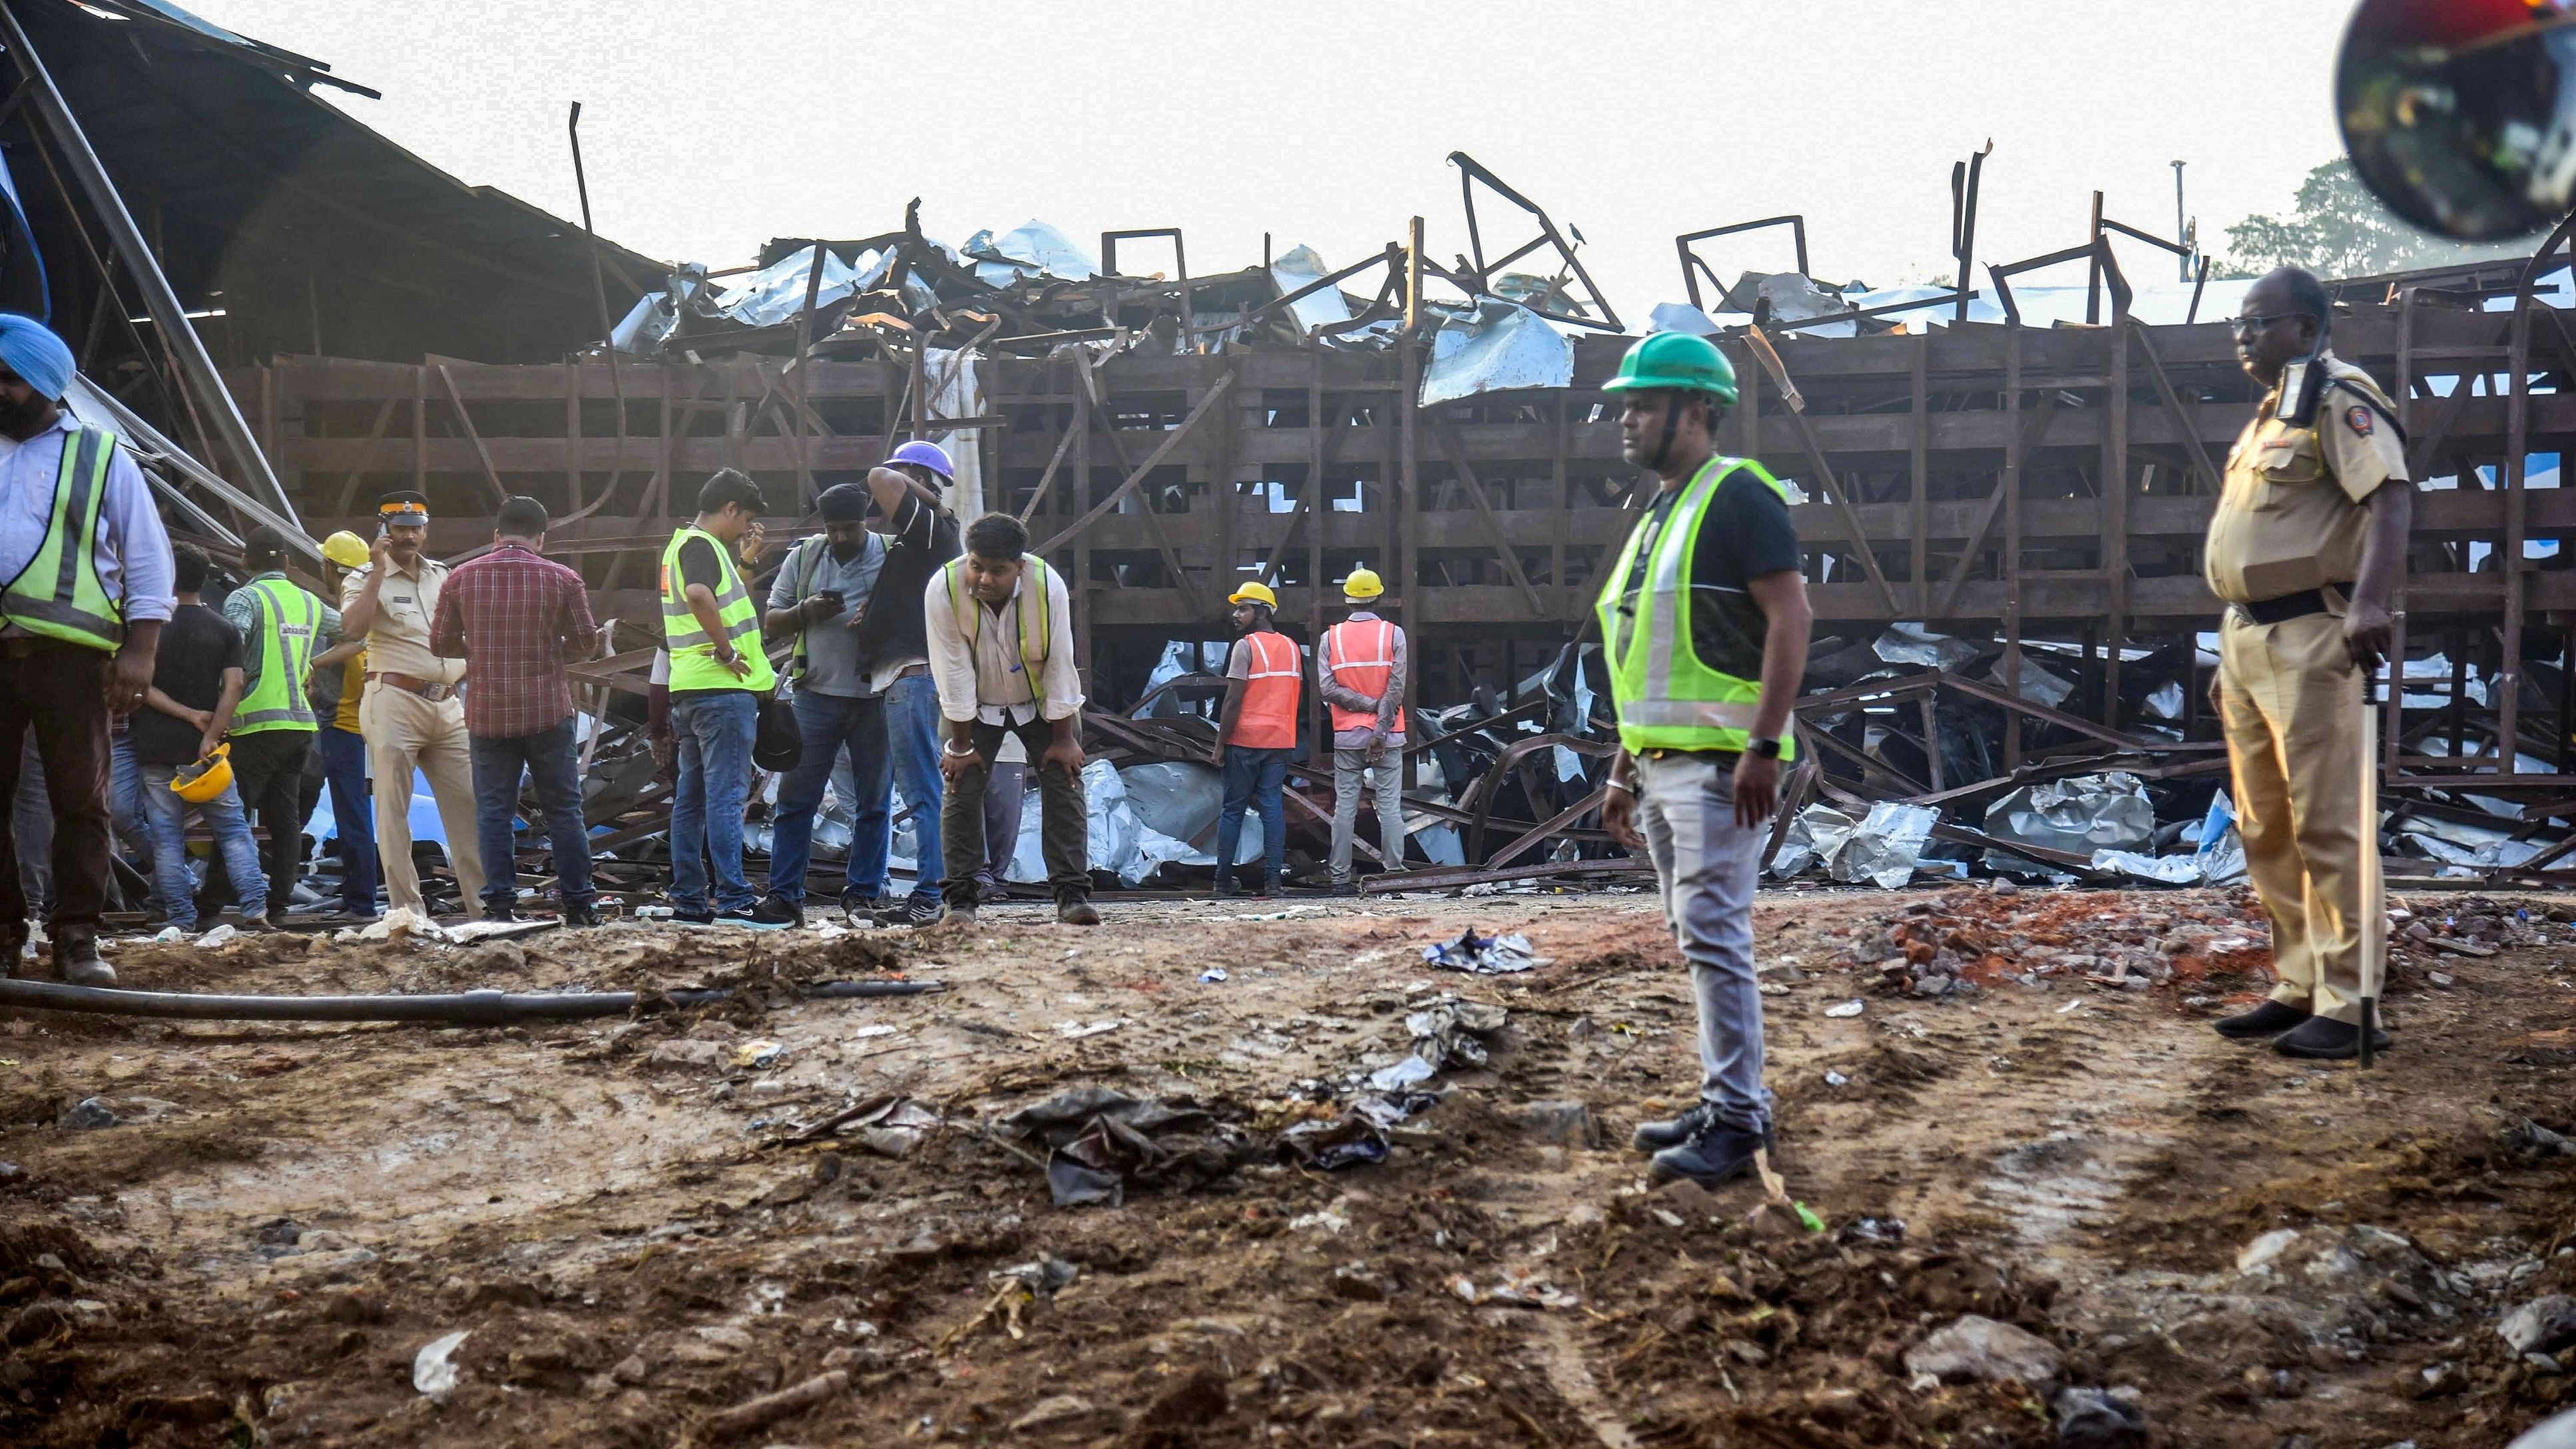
pixel 1360 655
pixel 1667 698
pixel 1031 598
pixel 288 618
pixel 693 655
pixel 59 593
pixel 1267 718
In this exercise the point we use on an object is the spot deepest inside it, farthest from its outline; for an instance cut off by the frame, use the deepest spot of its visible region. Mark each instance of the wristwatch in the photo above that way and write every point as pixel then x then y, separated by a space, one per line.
pixel 1767 749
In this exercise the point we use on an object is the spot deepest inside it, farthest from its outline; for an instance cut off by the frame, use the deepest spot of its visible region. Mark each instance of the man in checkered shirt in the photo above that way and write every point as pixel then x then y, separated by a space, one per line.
pixel 521 618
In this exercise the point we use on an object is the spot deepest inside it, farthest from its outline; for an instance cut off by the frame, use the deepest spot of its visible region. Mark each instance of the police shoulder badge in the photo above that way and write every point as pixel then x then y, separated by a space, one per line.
pixel 2359 418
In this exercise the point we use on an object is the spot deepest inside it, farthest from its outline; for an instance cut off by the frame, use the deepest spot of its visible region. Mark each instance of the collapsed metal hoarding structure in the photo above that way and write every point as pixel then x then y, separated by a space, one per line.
pixel 1166 437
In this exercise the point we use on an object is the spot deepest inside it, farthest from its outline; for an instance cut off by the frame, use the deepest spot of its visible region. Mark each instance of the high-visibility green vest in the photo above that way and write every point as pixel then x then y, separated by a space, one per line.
pixel 288 620
pixel 1668 697
pixel 59 593
pixel 1031 614
pixel 693 654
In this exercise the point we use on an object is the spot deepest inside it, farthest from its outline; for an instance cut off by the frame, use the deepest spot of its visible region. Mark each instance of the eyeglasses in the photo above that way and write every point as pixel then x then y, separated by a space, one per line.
pixel 2246 326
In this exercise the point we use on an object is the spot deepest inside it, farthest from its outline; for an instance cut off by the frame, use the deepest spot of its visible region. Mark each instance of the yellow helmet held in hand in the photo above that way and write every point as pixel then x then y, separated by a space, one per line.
pixel 207 779
pixel 345 549
pixel 1362 584
pixel 1255 593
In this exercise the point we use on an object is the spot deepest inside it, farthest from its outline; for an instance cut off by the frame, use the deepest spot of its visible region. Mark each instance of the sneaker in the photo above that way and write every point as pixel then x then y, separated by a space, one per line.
pixel 500 915
pixel 747 916
pixel 1344 888
pixel 2270 1019
pixel 259 922
pixel 693 918
pixel 579 915
pixel 2322 1038
pixel 915 911
pixel 991 893
pixel 1717 1155
pixel 13 953
pixel 858 909
pixel 76 958
pixel 775 911
pixel 1077 911
pixel 1673 1131
pixel 1227 885
pixel 950 915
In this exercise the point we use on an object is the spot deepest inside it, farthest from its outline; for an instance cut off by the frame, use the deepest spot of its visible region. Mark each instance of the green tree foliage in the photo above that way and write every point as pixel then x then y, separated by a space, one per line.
pixel 2339 229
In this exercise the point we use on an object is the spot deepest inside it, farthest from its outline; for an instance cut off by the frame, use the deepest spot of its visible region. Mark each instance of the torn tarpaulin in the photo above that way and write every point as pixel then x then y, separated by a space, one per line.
pixel 1484 955
pixel 1099 1141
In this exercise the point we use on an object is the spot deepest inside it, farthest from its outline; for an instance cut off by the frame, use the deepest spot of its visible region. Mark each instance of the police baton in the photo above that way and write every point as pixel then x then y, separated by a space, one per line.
pixel 2374 901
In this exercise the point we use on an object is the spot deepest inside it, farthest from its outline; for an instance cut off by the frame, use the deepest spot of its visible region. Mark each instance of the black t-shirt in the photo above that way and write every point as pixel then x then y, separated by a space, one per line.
pixel 921 541
pixel 197 646
pixel 1747 534
pixel 699 565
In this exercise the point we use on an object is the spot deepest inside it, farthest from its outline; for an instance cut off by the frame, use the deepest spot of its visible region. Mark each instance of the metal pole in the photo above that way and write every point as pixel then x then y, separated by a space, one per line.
pixel 2180 227
pixel 196 368
pixel 599 290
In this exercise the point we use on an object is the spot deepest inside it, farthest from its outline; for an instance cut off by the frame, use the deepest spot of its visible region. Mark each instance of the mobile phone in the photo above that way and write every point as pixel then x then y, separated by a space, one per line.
pixel 832 594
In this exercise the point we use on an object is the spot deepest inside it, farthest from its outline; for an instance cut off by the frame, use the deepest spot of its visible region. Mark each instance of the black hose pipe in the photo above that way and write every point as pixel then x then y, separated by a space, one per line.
pixel 470 1008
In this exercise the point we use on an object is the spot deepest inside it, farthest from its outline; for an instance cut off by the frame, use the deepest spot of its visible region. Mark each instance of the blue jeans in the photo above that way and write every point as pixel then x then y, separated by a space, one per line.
pixel 826 722
pixel 353 817
pixel 1252 775
pixel 912 738
pixel 715 729
pixel 125 805
pixel 547 757
pixel 168 815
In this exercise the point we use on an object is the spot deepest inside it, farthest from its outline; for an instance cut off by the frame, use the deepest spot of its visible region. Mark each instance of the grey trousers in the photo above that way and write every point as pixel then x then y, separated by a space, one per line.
pixel 1705 866
pixel 1386 780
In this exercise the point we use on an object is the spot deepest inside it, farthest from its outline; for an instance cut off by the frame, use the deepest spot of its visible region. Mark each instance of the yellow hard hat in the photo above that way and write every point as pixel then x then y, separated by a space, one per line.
pixel 346 549
pixel 1253 594
pixel 1362 584
pixel 207 779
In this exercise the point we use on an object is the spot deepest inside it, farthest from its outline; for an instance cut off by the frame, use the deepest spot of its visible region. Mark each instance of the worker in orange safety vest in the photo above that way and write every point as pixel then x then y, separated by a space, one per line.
pixel 1257 732
pixel 1360 671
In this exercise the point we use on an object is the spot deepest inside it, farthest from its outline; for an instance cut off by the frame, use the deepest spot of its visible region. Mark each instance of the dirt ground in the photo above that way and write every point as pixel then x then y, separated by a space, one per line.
pixel 618 1218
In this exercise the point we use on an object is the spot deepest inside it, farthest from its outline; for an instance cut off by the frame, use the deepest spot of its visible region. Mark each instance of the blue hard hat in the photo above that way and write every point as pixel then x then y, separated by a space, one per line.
pixel 928 455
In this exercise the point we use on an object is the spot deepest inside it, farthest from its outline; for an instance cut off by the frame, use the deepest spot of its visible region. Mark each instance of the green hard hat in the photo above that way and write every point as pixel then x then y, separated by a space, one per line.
pixel 1675 359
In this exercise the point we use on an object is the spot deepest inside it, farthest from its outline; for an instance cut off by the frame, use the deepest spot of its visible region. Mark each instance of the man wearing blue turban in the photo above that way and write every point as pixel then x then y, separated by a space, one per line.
pixel 86 580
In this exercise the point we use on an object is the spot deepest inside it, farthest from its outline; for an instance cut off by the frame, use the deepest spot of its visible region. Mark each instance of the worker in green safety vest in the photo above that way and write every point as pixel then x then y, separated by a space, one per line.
pixel 85 583
pixel 274 727
pixel 711 631
pixel 1704 625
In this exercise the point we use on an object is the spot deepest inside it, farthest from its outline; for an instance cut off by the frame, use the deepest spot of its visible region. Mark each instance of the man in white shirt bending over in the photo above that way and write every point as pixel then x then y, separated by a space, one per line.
pixel 1000 628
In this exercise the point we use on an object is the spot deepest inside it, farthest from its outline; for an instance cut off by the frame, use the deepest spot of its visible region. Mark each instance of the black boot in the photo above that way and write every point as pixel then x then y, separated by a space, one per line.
pixel 1717 1155
pixel 1227 885
pixel 76 958
pixel 2270 1019
pixel 2325 1039
pixel 1673 1131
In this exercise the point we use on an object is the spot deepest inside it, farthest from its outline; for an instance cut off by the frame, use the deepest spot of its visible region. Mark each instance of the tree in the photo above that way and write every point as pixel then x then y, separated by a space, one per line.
pixel 2339 229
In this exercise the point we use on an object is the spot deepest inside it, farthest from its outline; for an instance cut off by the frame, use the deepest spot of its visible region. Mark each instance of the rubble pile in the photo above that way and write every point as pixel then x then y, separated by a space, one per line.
pixel 1969 939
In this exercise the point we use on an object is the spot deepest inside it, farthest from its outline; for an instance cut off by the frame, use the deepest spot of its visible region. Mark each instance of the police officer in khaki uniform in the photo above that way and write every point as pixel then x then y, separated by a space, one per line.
pixel 2307 545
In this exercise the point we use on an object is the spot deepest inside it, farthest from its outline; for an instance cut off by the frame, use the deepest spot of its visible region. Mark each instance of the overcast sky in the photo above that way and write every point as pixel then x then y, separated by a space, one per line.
pixel 709 128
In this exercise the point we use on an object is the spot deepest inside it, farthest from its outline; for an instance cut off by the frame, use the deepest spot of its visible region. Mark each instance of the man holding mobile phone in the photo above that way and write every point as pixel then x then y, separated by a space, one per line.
pixel 820 593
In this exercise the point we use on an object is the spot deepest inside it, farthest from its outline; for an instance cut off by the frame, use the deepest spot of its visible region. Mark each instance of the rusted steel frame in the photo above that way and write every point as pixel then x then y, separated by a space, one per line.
pixel 1046 480
pixel 2115 504
pixel 1919 469
pixel 1489 784
pixel 1930 704
pixel 1325 817
pixel 1535 706
pixel 375 435
pixel 1136 476
pixel 1108 420
pixel 1216 681
pixel 2031 429
pixel 2420 456
pixel 1825 473
pixel 572 435
pixel 1411 597
pixel 1318 458
pixel 1868 762
pixel 2016 458
pixel 1800 784
pixel 500 494
pixel 2074 724
pixel 1550 827
pixel 1472 171
pixel 2172 401
pixel 2063 859
pixel 1416 878
pixel 1447 435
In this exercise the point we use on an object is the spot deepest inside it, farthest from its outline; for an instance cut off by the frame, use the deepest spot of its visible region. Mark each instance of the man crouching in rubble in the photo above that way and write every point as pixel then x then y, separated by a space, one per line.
pixel 2307 545
pixel 1704 631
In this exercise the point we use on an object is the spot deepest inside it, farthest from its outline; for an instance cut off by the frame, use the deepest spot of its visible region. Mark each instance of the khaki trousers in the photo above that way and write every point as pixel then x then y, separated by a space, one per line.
pixel 2291 700
pixel 403 730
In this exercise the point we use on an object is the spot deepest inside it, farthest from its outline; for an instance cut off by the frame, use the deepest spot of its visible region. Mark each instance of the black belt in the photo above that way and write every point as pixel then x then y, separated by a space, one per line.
pixel 2291 606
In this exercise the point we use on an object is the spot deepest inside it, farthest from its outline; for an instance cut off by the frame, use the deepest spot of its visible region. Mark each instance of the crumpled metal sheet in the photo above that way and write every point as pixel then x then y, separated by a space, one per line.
pixel 2082 814
pixel 1681 317
pixel 776 293
pixel 1914 644
pixel 1504 346
pixel 1817 834
pixel 1882 849
pixel 1103 1140
pixel 1301 266
pixel 2178 870
pixel 1033 248
pixel 1484 955
pixel 2040 686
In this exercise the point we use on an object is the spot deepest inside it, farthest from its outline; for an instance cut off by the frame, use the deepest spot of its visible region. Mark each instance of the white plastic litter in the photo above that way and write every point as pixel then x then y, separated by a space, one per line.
pixel 1846 1009
pixel 433 1369
pixel 220 935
